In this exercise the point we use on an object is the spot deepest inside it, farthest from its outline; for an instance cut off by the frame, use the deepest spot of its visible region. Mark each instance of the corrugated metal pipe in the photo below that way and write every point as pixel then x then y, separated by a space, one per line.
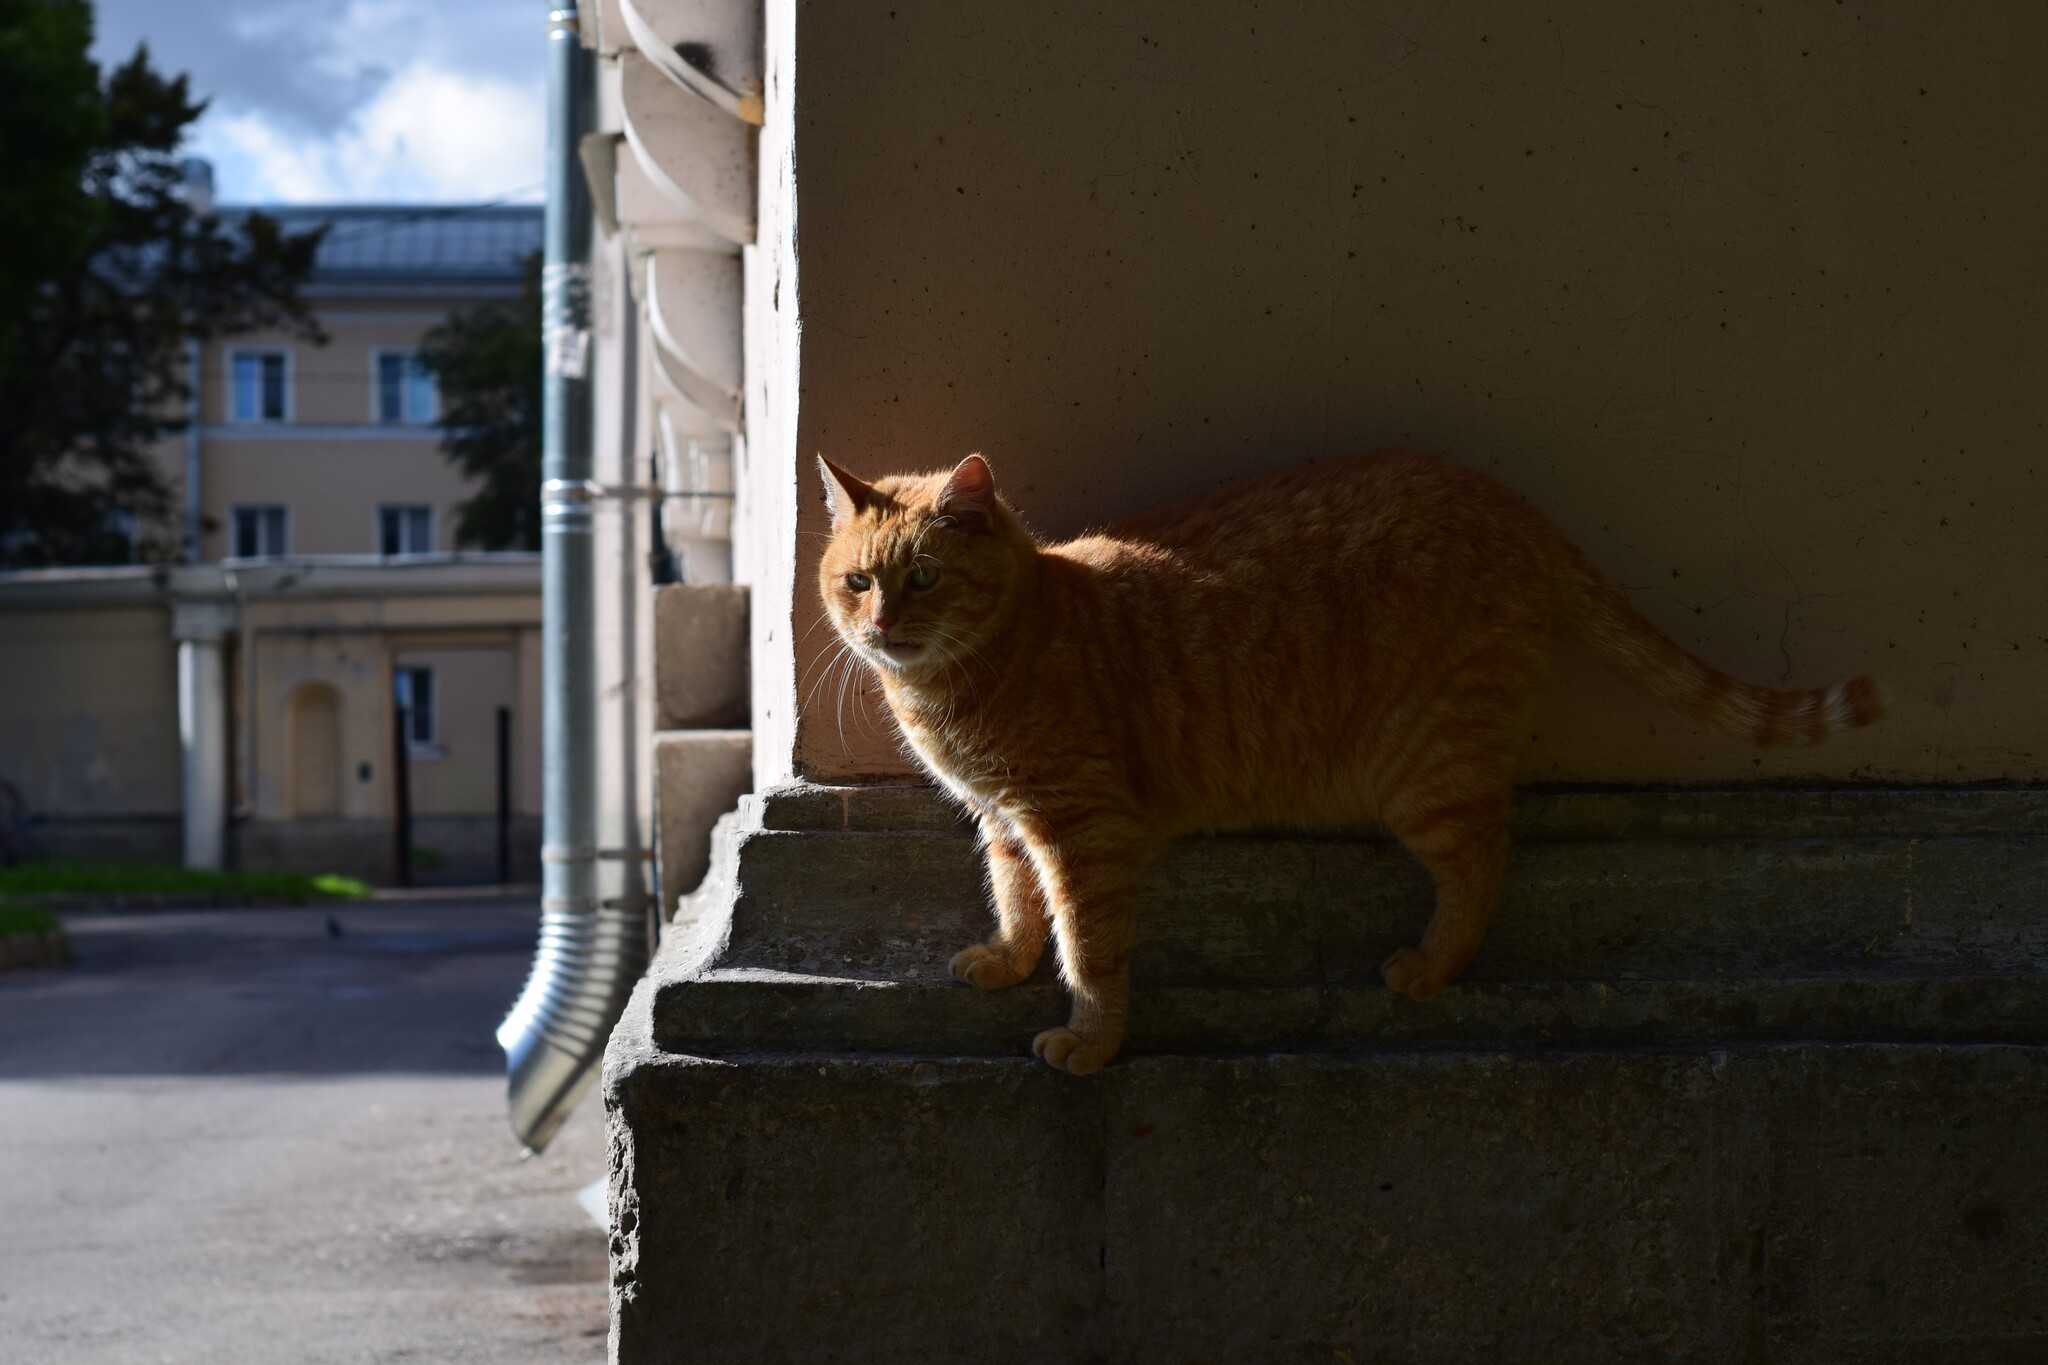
pixel 590 953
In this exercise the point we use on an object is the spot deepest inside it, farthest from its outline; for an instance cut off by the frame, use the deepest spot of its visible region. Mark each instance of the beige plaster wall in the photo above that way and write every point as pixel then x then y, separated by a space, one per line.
pixel 331 383
pixel 89 711
pixel 333 484
pixel 356 665
pixel 474 679
pixel 484 650
pixel 1749 298
pixel 332 488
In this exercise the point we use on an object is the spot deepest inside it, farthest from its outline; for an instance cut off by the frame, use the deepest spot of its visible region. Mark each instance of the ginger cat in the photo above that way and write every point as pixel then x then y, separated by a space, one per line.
pixel 1352 640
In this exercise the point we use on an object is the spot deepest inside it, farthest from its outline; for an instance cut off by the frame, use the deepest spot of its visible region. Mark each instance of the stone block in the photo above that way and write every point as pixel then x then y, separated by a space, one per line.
pixel 839 895
pixel 700 656
pixel 946 1211
pixel 1736 1078
pixel 698 775
pixel 1807 1203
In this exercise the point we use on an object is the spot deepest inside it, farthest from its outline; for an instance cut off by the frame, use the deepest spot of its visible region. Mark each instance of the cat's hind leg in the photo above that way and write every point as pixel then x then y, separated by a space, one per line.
pixel 1022 926
pixel 1463 841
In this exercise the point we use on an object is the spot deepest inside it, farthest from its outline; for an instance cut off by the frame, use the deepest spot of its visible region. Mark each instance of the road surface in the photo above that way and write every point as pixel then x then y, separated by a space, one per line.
pixel 279 1136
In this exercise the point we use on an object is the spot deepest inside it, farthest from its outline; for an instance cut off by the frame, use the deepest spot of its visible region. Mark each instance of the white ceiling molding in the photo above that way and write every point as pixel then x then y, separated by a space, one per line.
pixel 693 304
pixel 653 218
pixel 709 47
pixel 693 153
pixel 687 394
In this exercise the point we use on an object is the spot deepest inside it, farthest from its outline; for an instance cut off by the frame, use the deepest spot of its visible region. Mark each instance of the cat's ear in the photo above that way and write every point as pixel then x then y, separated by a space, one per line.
pixel 844 494
pixel 969 496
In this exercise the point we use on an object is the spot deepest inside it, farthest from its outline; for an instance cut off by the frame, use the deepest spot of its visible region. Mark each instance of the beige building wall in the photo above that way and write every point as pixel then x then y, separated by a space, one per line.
pixel 89 724
pixel 89 711
pixel 1748 299
pixel 331 462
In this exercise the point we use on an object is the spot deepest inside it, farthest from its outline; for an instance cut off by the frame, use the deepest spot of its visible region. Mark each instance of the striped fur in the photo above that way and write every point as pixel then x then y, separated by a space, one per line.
pixel 1598 616
pixel 1347 640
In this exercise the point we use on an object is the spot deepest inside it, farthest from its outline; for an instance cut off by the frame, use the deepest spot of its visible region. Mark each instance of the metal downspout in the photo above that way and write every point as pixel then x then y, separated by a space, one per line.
pixel 590 954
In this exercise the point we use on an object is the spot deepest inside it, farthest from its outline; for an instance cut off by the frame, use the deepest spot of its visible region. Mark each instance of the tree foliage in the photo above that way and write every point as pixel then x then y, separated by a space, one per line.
pixel 125 271
pixel 50 109
pixel 487 362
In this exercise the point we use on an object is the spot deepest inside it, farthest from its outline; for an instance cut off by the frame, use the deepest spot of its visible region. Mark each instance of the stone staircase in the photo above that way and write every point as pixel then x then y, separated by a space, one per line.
pixel 1754 1075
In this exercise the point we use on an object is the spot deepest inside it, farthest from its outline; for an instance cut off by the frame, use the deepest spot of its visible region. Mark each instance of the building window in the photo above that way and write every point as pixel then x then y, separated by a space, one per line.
pixel 405 391
pixel 413 688
pixel 259 384
pixel 405 530
pixel 261 533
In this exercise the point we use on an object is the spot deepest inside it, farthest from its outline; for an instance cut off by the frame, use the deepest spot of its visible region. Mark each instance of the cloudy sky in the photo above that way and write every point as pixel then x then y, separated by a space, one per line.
pixel 324 101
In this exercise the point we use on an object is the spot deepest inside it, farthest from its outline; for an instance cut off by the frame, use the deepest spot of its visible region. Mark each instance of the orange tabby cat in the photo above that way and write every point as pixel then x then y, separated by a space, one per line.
pixel 1359 639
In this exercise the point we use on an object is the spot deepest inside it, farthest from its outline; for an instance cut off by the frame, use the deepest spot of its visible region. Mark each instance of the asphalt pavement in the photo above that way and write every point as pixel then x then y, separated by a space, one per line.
pixel 279 1136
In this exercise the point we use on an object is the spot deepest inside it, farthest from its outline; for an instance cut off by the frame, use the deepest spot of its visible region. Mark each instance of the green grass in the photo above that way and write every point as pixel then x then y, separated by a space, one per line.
pixel 25 919
pixel 105 879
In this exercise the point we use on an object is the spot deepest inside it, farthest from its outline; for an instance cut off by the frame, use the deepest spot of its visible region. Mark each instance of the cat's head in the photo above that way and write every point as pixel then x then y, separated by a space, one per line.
pixel 920 568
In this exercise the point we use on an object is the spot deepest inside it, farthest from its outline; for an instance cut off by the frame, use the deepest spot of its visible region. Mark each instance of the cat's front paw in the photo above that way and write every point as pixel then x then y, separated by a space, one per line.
pixel 1408 972
pixel 986 968
pixel 1071 1052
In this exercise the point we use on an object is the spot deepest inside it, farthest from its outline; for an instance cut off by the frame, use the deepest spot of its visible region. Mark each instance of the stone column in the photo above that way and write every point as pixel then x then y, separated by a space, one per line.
pixel 199 627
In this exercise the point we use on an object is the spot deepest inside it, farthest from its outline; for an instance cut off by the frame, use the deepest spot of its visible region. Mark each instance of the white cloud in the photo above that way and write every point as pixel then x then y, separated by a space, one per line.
pixel 428 133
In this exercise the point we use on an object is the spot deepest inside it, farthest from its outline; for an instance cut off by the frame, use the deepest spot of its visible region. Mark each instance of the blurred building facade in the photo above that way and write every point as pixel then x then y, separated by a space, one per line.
pixel 242 708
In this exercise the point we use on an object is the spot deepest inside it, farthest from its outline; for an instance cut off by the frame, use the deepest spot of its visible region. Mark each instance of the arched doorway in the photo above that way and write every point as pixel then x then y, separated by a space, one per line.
pixel 315 751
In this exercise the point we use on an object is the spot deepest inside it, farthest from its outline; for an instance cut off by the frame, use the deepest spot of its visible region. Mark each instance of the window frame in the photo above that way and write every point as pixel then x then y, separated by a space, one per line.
pixel 235 511
pixel 433 528
pixel 377 354
pixel 290 406
pixel 415 746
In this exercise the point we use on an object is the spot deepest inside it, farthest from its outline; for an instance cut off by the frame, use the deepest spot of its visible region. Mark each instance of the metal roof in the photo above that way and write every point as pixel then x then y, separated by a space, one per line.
pixel 438 250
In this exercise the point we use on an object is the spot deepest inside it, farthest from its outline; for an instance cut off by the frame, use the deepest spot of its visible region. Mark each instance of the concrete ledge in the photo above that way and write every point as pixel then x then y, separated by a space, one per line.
pixel 1861 1203
pixel 1545 814
pixel 879 904
pixel 737 1012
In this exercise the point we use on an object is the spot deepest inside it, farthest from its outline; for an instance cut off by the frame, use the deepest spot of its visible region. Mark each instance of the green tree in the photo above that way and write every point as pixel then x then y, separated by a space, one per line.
pixel 487 362
pixel 50 109
pixel 92 345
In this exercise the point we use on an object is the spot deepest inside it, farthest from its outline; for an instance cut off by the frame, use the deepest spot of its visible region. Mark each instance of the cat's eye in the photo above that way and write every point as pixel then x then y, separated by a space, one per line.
pixel 924 577
pixel 859 582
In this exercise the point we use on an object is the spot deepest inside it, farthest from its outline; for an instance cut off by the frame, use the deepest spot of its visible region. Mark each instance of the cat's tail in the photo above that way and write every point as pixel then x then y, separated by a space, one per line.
pixel 1598 616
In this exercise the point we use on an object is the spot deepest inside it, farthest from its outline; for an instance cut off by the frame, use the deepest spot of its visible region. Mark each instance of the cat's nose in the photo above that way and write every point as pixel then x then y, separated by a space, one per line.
pixel 885 616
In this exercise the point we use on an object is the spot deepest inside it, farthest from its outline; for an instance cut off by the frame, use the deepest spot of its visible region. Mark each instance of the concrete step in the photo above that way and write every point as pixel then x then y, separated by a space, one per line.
pixel 1750 1076
pixel 1710 887
pixel 1865 1203
pixel 727 1012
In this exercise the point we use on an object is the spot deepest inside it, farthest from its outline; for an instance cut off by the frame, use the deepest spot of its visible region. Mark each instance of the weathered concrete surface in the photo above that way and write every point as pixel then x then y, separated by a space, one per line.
pixel 1549 813
pixel 698 775
pixel 737 1011
pixel 1600 887
pixel 1744 1076
pixel 1787 1204
pixel 700 658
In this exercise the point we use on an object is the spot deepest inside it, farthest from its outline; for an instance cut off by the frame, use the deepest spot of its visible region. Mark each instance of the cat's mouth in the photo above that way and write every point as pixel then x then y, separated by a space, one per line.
pixel 902 651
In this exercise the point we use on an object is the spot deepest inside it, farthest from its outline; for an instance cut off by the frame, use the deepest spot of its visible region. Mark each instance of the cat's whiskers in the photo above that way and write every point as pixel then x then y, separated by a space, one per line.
pixel 824 661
